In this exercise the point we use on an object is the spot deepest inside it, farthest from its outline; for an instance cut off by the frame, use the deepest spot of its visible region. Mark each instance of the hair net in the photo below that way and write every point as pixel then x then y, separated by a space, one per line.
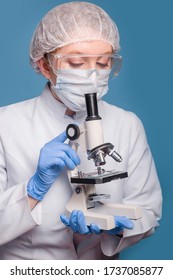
pixel 71 23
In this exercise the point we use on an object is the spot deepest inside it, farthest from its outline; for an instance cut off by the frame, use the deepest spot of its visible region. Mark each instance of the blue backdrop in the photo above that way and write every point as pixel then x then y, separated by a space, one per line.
pixel 144 86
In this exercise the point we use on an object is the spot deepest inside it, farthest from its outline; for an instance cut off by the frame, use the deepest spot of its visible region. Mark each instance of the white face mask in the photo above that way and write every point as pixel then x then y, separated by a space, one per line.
pixel 71 85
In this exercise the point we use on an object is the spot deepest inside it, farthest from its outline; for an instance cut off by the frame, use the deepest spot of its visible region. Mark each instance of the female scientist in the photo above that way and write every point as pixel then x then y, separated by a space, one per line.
pixel 75 47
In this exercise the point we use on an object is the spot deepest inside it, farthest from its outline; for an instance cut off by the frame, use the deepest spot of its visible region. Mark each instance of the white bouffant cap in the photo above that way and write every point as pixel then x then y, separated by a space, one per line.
pixel 70 23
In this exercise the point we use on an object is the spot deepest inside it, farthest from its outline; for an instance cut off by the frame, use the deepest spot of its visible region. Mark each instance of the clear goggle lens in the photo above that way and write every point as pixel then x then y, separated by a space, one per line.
pixel 111 62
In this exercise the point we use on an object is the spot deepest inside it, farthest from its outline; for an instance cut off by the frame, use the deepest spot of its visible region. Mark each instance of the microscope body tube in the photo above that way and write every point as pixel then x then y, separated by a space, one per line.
pixel 94 135
pixel 93 122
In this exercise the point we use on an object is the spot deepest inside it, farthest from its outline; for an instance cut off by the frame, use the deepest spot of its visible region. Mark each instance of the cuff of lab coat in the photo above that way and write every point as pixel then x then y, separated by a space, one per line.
pixel 143 227
pixel 36 212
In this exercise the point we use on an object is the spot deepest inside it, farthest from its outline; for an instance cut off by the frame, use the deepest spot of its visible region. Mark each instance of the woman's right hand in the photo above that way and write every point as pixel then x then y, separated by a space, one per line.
pixel 54 156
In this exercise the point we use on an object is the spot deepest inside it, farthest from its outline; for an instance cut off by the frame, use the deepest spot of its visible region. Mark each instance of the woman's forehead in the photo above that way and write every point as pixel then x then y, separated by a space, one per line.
pixel 86 47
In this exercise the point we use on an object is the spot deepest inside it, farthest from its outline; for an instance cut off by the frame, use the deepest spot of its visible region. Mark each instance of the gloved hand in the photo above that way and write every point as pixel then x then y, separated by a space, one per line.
pixel 78 224
pixel 54 156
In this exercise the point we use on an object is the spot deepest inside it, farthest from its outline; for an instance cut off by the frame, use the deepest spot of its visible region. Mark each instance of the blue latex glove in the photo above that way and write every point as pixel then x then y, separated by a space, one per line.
pixel 78 224
pixel 54 156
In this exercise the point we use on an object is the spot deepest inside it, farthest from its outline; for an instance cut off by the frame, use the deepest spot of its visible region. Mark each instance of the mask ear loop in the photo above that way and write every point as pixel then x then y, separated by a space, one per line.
pixel 47 59
pixel 50 63
pixel 51 84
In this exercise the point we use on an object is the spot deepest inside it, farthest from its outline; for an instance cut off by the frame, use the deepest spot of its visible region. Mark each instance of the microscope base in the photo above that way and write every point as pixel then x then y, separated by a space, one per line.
pixel 103 213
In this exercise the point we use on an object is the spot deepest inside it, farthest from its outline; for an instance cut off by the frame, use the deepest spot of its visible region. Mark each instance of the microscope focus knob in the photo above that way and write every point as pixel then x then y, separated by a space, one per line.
pixel 73 131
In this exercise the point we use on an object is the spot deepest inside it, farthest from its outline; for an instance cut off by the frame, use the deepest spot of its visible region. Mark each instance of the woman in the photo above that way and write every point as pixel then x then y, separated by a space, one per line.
pixel 75 47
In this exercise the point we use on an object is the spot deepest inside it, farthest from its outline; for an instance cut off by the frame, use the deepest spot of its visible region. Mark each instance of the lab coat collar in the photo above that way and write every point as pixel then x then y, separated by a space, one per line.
pixel 57 108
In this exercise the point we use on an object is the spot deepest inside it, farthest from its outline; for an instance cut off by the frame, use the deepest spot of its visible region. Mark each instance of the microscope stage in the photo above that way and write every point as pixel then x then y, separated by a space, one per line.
pixel 96 178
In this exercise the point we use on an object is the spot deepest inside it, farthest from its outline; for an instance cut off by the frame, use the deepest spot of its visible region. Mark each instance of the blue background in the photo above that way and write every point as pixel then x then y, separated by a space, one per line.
pixel 144 86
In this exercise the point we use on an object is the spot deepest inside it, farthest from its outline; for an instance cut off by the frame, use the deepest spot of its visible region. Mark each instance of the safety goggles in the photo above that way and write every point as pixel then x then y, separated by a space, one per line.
pixel 86 61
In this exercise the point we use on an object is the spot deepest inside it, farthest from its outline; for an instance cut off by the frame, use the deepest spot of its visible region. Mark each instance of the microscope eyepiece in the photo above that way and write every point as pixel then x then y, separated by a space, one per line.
pixel 91 106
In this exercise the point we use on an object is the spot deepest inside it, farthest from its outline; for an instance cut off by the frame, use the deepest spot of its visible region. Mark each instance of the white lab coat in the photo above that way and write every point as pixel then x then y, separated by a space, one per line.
pixel 39 234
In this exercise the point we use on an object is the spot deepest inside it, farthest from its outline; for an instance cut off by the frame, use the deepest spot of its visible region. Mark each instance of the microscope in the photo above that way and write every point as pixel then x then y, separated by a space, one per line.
pixel 89 137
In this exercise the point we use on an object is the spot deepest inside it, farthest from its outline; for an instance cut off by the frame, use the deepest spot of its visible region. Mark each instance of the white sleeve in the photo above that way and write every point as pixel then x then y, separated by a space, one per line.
pixel 141 188
pixel 16 217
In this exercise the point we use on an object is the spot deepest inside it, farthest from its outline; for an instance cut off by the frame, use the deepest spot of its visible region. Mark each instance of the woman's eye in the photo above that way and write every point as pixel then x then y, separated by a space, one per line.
pixel 103 65
pixel 75 64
